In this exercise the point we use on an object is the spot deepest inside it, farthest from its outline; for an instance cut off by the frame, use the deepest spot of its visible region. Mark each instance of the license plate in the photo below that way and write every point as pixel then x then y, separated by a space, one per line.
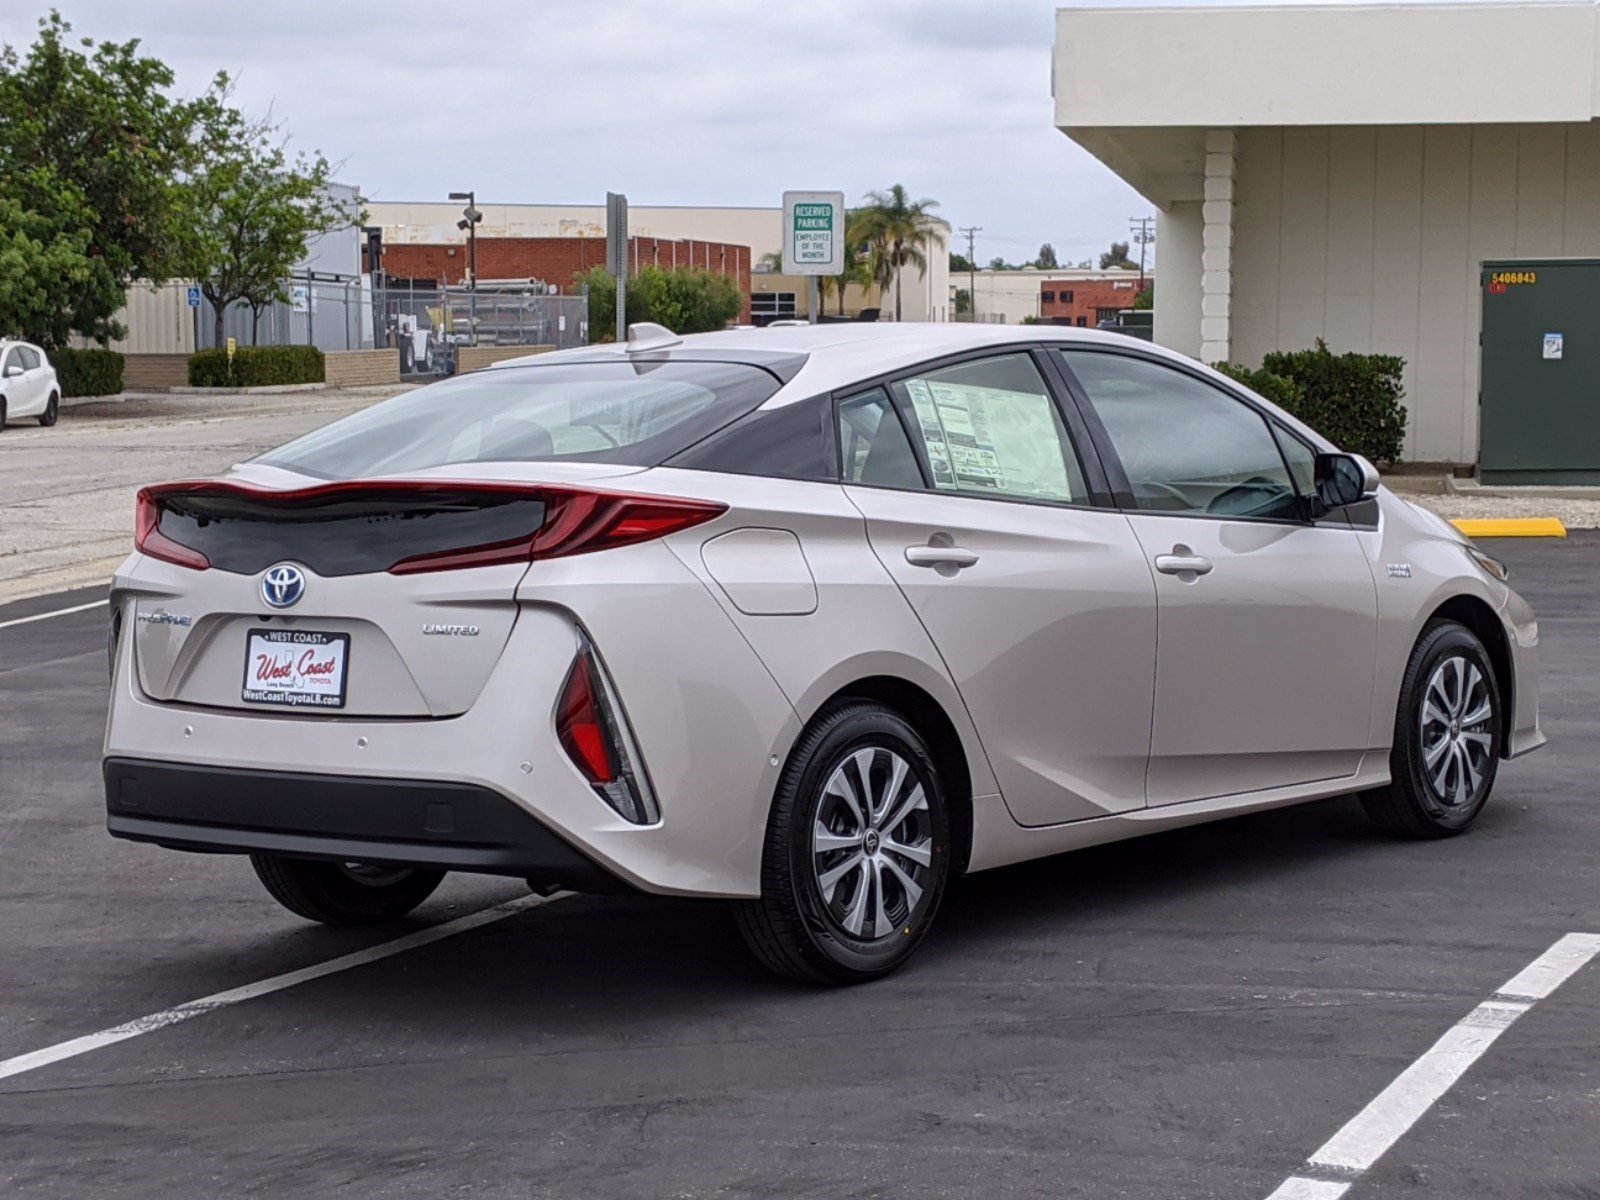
pixel 296 668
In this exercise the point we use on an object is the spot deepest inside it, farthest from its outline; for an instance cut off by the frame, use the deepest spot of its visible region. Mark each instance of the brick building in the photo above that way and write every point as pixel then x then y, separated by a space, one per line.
pixel 1084 302
pixel 560 260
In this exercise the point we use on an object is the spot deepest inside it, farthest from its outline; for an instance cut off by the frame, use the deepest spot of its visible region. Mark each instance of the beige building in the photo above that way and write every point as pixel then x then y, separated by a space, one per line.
pixel 1008 297
pixel 1342 171
pixel 925 296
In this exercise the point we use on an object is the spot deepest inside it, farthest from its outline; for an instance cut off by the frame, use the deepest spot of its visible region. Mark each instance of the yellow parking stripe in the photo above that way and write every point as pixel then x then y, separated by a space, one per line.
pixel 1494 527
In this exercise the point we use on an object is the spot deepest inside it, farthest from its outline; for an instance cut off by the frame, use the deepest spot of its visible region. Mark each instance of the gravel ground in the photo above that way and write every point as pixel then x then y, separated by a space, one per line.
pixel 1429 491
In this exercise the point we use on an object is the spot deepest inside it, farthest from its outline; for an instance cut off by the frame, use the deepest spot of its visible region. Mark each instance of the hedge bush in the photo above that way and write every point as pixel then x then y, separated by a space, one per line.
pixel 88 372
pixel 1353 400
pixel 257 366
pixel 682 301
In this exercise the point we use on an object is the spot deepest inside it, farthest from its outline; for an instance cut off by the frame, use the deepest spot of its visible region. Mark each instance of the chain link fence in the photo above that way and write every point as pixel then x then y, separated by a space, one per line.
pixel 424 325
pixel 428 324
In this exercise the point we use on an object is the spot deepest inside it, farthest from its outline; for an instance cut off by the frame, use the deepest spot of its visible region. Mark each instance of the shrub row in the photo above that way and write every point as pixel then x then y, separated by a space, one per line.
pixel 682 301
pixel 1353 400
pixel 257 366
pixel 88 372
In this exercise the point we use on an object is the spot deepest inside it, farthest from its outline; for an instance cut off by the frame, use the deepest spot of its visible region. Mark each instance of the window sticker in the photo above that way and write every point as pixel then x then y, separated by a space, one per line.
pixel 985 439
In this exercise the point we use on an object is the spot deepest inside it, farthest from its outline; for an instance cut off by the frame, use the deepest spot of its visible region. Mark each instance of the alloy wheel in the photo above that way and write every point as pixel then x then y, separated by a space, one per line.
pixel 1456 742
pixel 872 844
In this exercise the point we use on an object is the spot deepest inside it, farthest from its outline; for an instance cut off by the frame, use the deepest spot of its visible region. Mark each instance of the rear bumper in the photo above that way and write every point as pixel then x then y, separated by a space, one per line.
pixel 407 822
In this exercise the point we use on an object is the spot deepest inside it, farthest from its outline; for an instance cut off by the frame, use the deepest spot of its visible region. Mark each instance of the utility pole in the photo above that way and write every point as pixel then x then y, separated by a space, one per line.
pixel 1142 235
pixel 972 231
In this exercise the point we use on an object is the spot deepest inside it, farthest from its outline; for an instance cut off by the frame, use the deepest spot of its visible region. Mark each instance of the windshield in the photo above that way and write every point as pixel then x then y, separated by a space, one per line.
pixel 630 414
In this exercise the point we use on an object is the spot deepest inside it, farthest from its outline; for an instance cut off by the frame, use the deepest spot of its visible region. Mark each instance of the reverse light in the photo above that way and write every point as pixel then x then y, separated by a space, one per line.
pixel 594 732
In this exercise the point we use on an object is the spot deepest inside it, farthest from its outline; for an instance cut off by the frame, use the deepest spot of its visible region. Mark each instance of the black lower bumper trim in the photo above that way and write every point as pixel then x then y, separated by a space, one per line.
pixel 406 822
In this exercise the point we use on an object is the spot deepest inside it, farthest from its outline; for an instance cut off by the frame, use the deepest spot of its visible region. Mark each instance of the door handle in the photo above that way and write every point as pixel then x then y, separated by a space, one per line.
pixel 940 556
pixel 1182 564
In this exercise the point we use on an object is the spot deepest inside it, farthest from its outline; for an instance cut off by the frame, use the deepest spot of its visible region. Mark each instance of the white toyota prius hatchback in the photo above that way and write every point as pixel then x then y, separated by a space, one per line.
pixel 809 619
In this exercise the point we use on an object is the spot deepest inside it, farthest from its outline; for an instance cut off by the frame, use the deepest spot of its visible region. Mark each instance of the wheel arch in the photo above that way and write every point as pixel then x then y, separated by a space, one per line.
pixel 929 718
pixel 1482 620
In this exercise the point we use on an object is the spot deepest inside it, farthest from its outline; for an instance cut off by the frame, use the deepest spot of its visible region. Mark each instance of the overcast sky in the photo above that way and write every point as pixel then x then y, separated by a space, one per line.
pixel 692 102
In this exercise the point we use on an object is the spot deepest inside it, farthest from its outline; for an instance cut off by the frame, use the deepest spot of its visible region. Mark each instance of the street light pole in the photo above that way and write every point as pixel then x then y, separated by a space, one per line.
pixel 469 221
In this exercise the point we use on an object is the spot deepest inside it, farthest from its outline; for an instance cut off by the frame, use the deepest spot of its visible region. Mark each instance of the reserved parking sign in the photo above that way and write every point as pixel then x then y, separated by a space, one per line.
pixel 813 233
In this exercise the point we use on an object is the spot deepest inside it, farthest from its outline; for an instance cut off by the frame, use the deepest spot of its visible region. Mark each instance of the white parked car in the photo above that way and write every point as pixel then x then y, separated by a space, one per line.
pixel 810 619
pixel 28 386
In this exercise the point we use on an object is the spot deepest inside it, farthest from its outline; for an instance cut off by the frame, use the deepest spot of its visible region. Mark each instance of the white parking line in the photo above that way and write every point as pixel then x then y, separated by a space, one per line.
pixel 59 612
pixel 1331 1171
pixel 277 983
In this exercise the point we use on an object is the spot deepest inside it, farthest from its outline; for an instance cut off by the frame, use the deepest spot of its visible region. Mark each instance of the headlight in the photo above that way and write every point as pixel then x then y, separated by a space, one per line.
pixel 1492 566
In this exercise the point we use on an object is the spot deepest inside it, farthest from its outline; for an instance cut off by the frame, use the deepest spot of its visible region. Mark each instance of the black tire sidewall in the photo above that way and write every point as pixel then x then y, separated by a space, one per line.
pixel 1445 640
pixel 853 729
pixel 52 409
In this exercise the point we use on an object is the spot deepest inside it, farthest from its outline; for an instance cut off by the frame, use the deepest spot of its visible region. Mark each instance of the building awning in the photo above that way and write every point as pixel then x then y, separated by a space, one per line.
pixel 1139 87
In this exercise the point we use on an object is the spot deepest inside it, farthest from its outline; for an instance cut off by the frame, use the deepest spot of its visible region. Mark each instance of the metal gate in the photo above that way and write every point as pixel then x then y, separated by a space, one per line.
pixel 1539 397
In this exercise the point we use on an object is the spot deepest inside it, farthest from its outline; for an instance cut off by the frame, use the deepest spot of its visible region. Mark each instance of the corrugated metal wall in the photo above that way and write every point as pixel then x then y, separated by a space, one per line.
pixel 159 321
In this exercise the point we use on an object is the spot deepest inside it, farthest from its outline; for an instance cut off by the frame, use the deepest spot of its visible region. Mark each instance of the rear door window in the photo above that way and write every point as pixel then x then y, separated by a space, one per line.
pixel 991 428
pixel 629 414
pixel 873 445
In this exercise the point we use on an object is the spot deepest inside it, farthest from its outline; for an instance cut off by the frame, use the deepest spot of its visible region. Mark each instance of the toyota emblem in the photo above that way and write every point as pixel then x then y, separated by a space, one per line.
pixel 283 585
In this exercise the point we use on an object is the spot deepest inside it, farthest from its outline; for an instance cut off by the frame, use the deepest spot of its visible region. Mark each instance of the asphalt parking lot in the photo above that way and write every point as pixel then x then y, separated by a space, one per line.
pixel 1190 1015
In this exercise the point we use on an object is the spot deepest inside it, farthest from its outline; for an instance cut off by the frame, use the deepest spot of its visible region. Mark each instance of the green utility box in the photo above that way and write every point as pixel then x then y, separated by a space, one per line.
pixel 1539 397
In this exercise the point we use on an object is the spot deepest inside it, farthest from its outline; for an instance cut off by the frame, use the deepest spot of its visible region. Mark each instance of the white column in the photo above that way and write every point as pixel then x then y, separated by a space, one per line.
pixel 1178 230
pixel 1216 256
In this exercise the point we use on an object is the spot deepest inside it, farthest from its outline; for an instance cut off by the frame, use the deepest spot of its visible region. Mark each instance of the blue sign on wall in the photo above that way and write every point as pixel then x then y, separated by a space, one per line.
pixel 194 295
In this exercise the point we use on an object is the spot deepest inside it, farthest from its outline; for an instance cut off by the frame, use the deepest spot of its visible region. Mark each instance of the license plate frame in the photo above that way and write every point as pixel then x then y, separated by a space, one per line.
pixel 296 687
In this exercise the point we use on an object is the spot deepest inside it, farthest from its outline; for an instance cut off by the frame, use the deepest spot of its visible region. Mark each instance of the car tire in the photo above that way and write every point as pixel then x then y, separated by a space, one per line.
pixel 848 892
pixel 344 893
pixel 51 410
pixel 2 413
pixel 1447 735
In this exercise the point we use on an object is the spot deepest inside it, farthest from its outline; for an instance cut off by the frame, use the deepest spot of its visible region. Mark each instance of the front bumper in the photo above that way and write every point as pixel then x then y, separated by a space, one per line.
pixel 403 822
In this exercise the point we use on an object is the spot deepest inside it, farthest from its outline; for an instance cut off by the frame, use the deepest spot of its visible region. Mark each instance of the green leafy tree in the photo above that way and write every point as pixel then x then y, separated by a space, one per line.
pixel 998 264
pixel 1146 298
pixel 92 148
pixel 1117 256
pixel 963 301
pixel 959 262
pixel 898 231
pixel 1047 258
pixel 251 210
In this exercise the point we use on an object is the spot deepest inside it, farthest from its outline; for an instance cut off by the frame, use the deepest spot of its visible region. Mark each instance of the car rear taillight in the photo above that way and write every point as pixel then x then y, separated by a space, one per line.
pixel 402 527
pixel 576 522
pixel 592 729
pixel 148 538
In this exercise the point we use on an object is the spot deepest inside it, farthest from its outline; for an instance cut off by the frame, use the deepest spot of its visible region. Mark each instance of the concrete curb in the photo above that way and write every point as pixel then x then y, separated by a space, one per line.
pixel 273 390
pixel 1493 527
pixel 1471 487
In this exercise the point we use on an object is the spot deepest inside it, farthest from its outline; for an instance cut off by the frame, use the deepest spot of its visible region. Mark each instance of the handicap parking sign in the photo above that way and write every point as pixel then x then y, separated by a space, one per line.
pixel 194 295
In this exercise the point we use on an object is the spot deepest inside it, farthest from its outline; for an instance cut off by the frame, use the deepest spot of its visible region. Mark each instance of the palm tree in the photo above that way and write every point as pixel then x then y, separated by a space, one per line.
pixel 898 230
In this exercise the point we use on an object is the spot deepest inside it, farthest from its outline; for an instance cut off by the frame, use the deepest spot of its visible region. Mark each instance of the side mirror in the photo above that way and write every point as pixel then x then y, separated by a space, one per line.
pixel 13 371
pixel 1344 479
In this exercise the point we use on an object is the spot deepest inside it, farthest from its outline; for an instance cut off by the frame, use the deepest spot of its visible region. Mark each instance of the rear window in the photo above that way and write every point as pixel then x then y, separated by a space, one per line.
pixel 630 414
